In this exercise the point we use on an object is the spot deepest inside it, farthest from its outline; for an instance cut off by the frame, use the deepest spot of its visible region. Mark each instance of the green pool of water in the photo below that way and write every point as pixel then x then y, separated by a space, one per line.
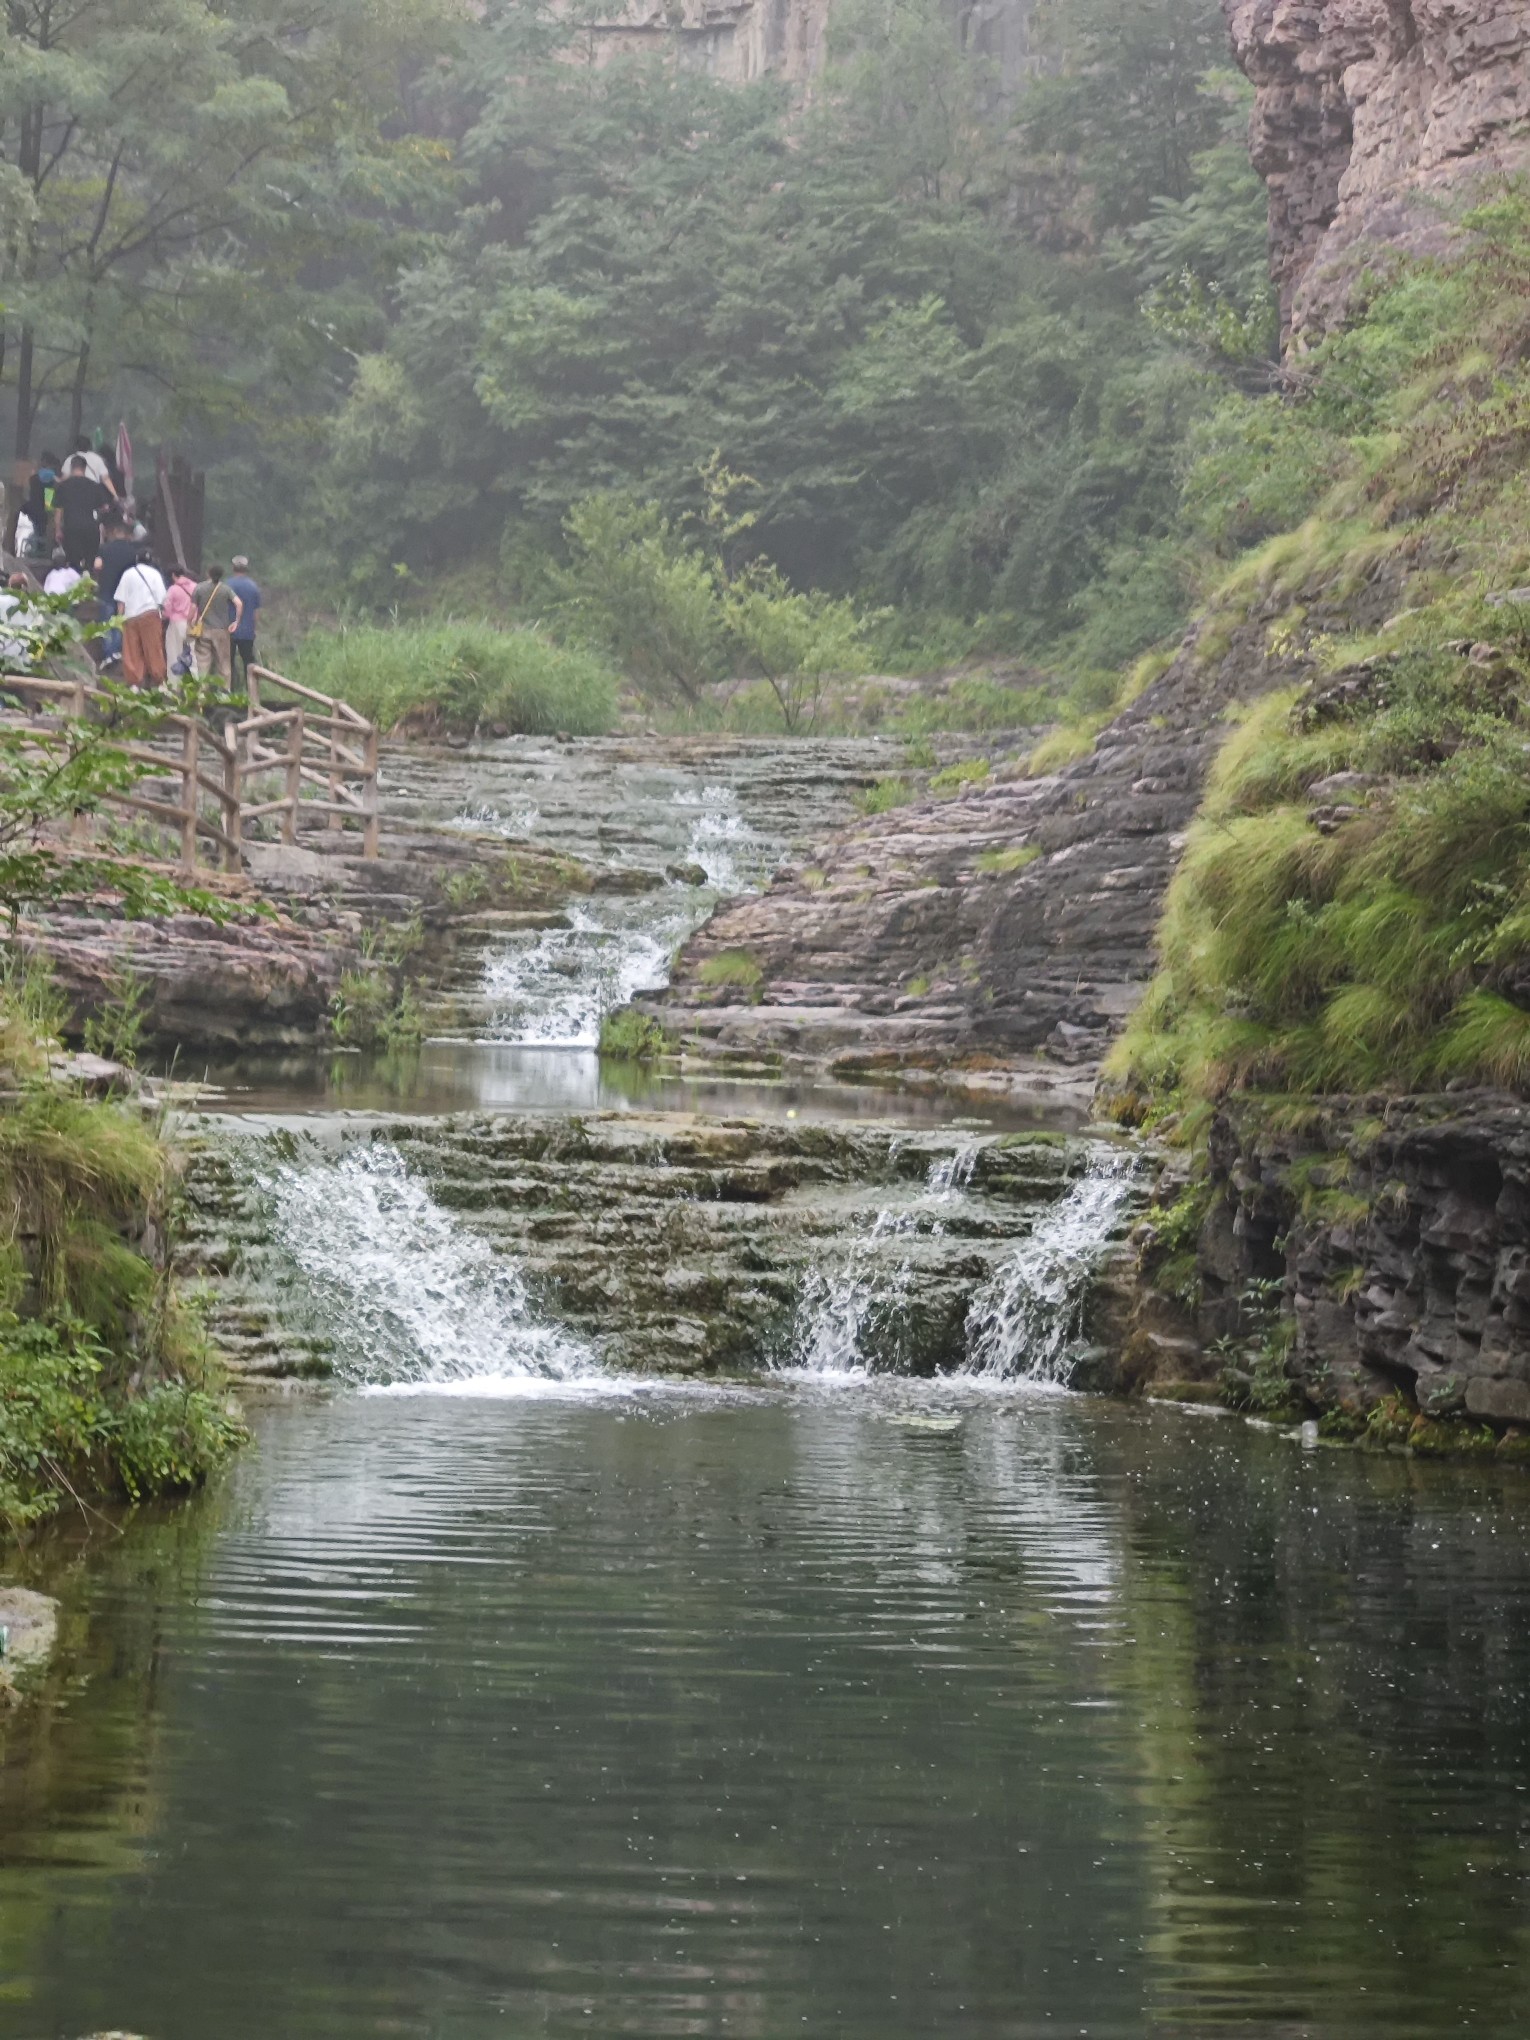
pixel 772 1715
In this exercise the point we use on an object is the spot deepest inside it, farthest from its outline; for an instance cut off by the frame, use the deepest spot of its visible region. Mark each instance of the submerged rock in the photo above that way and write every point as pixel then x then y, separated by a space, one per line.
pixel 28 1637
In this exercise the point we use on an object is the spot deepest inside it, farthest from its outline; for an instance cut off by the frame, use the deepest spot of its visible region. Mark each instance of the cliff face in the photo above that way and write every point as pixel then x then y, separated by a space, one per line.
pixel 738 40
pixel 1370 116
pixel 741 40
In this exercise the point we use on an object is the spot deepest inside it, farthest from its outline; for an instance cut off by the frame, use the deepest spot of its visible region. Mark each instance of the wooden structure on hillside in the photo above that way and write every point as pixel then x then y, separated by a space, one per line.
pixel 175 512
pixel 209 786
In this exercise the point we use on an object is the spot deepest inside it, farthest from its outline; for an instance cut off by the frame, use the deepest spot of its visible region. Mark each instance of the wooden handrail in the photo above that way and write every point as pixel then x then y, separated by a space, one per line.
pixel 329 701
pixel 313 756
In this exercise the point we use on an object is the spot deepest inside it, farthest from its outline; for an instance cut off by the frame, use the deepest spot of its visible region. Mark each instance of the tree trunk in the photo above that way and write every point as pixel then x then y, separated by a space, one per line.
pixel 77 394
pixel 24 401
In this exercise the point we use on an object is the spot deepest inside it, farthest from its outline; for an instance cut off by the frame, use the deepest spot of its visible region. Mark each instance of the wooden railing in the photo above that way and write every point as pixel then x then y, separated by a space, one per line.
pixel 334 749
pixel 315 742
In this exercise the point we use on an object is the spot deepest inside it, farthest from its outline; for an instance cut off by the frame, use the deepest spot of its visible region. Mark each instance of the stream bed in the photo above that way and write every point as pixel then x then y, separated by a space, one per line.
pixel 656 1711
pixel 693 1606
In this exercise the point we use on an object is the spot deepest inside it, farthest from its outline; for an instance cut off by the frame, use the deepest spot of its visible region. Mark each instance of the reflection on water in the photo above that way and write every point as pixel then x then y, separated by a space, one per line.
pixel 458 1076
pixel 767 1714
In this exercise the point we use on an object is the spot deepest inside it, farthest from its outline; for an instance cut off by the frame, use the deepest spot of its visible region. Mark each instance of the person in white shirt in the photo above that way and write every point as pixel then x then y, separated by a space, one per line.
pixel 13 603
pixel 61 579
pixel 95 465
pixel 140 601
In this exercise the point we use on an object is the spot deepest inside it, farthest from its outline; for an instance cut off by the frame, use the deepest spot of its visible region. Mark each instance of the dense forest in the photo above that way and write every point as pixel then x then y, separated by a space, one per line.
pixel 450 308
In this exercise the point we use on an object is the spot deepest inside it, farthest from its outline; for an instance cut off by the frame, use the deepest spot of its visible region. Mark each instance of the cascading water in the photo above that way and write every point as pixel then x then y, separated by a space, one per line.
pixel 721 841
pixel 1022 1323
pixel 552 989
pixel 840 1304
pixel 410 1297
pixel 484 819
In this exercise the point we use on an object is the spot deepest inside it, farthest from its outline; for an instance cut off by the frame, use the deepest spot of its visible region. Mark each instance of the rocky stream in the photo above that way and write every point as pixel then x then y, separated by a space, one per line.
pixel 671 1590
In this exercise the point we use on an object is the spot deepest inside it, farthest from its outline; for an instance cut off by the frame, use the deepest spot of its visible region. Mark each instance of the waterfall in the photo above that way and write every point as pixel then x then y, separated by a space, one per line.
pixel 1023 1321
pixel 408 1295
pixel 721 841
pixel 551 989
pixel 840 1303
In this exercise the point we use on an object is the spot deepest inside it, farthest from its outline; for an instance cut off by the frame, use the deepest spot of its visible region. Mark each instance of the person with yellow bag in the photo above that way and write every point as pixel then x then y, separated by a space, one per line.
pixel 218 614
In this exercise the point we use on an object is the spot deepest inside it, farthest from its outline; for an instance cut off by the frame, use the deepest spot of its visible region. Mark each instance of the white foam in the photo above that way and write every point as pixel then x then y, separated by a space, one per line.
pixel 1022 1323
pixel 411 1297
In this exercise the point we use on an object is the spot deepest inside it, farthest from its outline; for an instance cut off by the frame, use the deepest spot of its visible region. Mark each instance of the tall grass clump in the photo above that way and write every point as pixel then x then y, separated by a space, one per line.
pixel 459 677
pixel 1373 933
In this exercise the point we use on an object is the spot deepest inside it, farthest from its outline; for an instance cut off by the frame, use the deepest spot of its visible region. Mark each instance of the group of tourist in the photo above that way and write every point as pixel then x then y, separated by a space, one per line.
pixel 160 619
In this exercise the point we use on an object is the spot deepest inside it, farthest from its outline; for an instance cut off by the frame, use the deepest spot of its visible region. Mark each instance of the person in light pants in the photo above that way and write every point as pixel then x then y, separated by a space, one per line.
pixel 180 614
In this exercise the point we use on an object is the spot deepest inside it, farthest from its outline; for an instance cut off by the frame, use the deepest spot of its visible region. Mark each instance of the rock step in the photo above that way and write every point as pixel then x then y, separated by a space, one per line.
pixel 666 1243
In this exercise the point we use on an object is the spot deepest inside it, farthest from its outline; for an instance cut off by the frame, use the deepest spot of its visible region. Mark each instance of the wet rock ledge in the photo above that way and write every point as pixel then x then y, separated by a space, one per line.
pixel 662 1244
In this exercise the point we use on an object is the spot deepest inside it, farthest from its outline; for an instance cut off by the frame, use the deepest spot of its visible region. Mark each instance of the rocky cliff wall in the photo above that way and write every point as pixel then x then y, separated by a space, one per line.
pixel 737 40
pixel 741 40
pixel 1365 1256
pixel 1371 117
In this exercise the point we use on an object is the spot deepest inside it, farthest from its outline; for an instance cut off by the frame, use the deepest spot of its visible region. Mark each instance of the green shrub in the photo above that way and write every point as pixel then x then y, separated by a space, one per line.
pixel 168 1440
pixel 891 792
pixel 629 1036
pixel 106 1383
pixel 457 677
pixel 731 967
pixel 68 1425
pixel 371 1010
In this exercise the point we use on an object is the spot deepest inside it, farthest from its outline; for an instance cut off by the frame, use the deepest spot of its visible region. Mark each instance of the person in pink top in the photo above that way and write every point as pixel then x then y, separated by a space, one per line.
pixel 180 614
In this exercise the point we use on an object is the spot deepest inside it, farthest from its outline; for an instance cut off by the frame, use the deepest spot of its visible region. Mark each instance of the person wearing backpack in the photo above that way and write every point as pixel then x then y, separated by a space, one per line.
pixel 140 600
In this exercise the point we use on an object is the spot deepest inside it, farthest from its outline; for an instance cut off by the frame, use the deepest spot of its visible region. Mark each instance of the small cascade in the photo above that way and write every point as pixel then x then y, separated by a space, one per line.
pixel 408 1295
pixel 839 1304
pixel 484 819
pixel 1022 1324
pixel 552 989
pixel 721 841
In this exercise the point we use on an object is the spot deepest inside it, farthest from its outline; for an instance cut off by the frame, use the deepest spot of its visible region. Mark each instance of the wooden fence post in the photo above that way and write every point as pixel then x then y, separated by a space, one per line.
pixel 369 795
pixel 190 745
pixel 334 819
pixel 294 778
pixel 232 821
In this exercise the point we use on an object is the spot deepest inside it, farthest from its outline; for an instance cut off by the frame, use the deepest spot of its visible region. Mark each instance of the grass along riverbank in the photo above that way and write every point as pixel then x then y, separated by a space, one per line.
pixel 458 677
pixel 108 1386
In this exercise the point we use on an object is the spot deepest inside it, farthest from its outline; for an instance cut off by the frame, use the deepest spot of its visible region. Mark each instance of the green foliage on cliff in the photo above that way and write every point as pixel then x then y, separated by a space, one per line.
pixel 1372 932
pixel 106 1382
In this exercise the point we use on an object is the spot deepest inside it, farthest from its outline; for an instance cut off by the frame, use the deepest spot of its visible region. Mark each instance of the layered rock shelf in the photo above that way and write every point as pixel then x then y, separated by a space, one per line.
pixel 1007 929
pixel 1391 1235
pixel 659 1244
